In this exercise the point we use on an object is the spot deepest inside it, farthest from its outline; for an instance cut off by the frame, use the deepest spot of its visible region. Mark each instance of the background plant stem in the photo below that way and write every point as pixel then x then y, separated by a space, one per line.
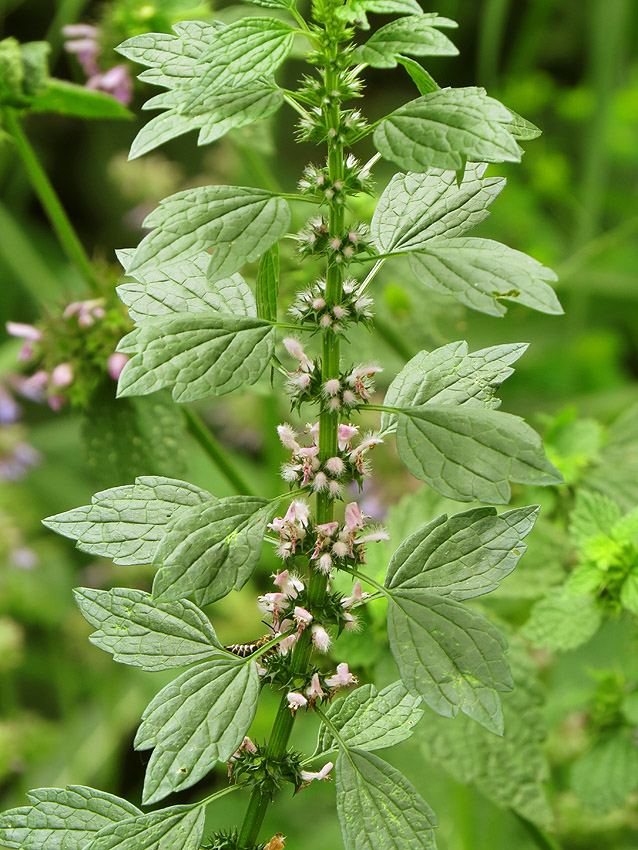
pixel 48 198
pixel 216 453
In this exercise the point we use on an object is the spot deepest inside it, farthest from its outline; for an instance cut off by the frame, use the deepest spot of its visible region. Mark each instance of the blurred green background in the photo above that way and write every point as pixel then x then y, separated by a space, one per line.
pixel 68 714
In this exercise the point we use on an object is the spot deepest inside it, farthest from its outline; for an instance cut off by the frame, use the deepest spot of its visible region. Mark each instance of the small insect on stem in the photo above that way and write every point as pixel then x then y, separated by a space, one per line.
pixel 243 650
pixel 277 842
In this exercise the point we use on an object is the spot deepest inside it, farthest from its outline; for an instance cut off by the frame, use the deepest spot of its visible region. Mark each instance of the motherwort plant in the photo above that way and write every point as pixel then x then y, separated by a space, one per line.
pixel 202 331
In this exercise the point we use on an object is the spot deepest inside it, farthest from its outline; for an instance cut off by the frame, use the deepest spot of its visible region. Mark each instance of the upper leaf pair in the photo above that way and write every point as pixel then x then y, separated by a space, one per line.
pixel 218 77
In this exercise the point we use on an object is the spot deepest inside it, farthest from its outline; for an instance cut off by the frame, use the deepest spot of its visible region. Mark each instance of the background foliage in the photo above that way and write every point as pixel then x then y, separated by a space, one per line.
pixel 68 714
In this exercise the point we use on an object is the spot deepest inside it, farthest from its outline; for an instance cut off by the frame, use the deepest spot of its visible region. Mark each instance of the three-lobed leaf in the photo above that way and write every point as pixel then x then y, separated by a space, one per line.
pixel 468 453
pixel 126 523
pixel 207 553
pixel 452 375
pixel 175 828
pixel 450 655
pixel 415 208
pixel 378 808
pixel 196 354
pixel 462 556
pixel 371 719
pixel 182 287
pixel 197 720
pixel 144 633
pixel 62 819
pixel 416 35
pixel 482 273
pixel 239 223
pixel 445 129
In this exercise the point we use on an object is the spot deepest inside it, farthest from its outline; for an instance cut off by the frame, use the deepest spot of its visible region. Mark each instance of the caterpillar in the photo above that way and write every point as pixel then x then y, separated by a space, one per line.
pixel 243 650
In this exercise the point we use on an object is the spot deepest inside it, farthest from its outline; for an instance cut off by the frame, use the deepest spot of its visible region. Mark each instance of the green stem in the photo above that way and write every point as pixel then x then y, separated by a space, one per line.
pixel 328 422
pixel 48 198
pixel 209 444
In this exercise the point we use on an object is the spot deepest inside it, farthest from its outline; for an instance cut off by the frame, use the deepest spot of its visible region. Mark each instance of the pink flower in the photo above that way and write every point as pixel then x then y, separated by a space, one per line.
pixel 353 518
pixel 287 435
pixel 340 549
pixel 115 364
pixel 296 701
pixel 55 402
pixel 357 595
pixel 314 689
pixel 24 331
pixel 290 585
pixel 116 82
pixel 327 529
pixel 342 677
pixel 322 775
pixel 62 375
pixel 302 617
pixel 345 433
pixel 373 537
pixel 295 349
pixel 320 638
pixel 320 482
pixel 332 387
pixel 325 564
pixel 287 643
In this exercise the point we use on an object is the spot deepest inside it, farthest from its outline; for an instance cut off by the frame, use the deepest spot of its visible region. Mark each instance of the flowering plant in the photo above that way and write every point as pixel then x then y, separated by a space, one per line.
pixel 201 331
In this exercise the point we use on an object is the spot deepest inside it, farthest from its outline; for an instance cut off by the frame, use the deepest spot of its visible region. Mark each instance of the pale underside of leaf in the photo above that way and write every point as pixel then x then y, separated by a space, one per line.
pixel 197 720
pixel 416 35
pixel 481 274
pixel 445 129
pixel 239 223
pixel 62 819
pixel 467 454
pixel 378 808
pixel 175 828
pixel 415 208
pixel 450 655
pixel 196 354
pixel 126 523
pixel 144 633
pixel 183 287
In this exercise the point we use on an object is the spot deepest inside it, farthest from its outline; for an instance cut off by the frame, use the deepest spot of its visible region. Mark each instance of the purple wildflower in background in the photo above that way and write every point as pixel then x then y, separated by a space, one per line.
pixel 82 40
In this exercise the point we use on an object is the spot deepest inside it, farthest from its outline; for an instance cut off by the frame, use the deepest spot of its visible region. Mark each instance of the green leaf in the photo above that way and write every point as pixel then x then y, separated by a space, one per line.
pixel 450 655
pixel 421 78
pixel 207 553
pixel 522 129
pixel 177 53
pixel 378 808
pixel 183 287
pixel 462 556
pixel 445 128
pixel 240 53
pixel 240 223
pixel 510 770
pixel 143 633
pixel 562 621
pixel 372 720
pixel 593 514
pixel 481 274
pixel 214 116
pixel 616 472
pixel 415 35
pixel 126 523
pixel 175 828
pixel 195 721
pixel 355 11
pixel 197 354
pixel 467 454
pixel 268 284
pixel 416 208
pixel 605 776
pixel 66 98
pixel 452 375
pixel 62 819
